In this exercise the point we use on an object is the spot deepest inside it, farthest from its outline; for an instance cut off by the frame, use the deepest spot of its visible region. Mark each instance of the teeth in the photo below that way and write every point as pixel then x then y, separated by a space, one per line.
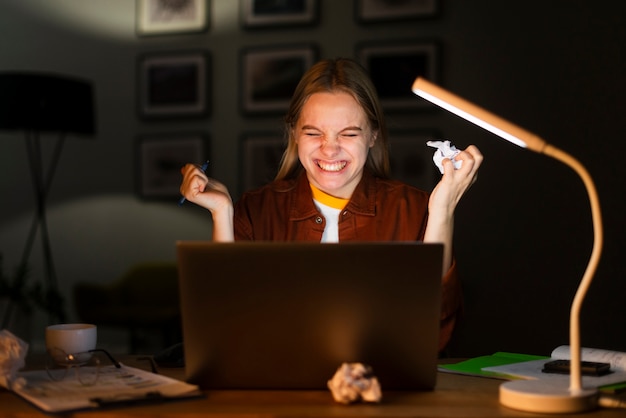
pixel 338 166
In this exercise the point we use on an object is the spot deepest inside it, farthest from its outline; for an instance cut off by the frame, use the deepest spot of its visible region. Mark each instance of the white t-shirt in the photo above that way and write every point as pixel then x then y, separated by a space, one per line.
pixel 331 230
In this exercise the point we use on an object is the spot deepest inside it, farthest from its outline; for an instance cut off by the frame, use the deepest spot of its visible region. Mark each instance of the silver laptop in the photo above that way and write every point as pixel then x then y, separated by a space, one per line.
pixel 262 315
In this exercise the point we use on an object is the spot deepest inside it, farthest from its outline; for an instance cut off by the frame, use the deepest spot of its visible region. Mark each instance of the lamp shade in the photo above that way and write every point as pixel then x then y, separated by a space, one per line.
pixel 46 103
pixel 477 115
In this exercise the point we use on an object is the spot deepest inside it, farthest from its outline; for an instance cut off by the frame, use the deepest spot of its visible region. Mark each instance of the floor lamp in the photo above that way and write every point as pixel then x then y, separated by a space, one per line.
pixel 536 395
pixel 44 103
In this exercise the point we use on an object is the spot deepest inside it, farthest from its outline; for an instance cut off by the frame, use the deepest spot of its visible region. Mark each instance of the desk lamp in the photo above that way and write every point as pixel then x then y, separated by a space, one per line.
pixel 543 396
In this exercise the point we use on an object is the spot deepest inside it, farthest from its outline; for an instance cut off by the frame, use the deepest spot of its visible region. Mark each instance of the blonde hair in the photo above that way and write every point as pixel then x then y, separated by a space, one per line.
pixel 334 75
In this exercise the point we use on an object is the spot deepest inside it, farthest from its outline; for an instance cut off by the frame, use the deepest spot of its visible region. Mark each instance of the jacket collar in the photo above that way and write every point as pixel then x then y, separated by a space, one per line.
pixel 362 202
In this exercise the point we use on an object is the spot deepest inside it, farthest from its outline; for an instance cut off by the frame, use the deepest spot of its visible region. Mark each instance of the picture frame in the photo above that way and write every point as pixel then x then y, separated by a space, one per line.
pixel 163 17
pixel 411 159
pixel 261 153
pixel 160 158
pixel 266 14
pixel 269 76
pixel 371 11
pixel 174 85
pixel 393 67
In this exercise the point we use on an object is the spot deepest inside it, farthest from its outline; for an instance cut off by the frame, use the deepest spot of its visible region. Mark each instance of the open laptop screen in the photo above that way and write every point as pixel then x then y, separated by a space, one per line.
pixel 261 315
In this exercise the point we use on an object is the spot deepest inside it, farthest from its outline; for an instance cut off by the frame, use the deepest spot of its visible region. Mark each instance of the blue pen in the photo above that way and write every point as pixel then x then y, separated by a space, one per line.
pixel 203 168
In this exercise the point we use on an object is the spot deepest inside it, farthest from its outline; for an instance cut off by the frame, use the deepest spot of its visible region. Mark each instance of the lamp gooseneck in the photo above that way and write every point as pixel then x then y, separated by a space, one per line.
pixel 596 252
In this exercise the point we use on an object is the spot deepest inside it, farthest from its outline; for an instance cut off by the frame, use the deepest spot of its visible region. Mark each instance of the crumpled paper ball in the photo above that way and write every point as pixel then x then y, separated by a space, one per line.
pixel 444 150
pixel 12 358
pixel 353 382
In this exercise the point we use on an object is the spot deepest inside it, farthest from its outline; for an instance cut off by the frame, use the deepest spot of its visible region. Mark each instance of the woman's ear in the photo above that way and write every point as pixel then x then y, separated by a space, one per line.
pixel 373 138
pixel 292 135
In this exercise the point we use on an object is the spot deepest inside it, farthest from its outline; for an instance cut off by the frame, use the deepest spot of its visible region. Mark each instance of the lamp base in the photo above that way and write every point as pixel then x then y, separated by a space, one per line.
pixel 546 396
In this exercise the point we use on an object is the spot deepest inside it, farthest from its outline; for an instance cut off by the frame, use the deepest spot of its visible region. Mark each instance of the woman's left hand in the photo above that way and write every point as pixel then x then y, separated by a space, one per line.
pixel 445 196
pixel 455 182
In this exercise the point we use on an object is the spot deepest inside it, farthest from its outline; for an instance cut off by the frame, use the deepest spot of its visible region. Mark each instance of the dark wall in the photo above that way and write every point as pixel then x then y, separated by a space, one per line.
pixel 524 233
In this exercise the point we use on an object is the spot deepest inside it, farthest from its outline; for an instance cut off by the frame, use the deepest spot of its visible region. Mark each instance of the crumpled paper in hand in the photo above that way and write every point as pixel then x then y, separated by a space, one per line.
pixel 444 150
pixel 12 358
pixel 353 382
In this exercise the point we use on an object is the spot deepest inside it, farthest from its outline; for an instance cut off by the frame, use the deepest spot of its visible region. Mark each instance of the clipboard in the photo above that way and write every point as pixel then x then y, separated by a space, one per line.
pixel 114 387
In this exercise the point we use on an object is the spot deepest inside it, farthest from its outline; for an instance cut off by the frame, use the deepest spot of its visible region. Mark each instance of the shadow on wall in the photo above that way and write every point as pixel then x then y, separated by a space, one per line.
pixel 97 239
pixel 143 300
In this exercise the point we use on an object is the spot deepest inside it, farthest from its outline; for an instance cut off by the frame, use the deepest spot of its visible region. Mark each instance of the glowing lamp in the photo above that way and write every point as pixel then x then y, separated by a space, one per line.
pixel 545 396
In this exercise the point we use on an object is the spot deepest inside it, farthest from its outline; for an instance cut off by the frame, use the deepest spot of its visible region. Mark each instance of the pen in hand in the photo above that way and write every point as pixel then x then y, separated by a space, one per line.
pixel 203 168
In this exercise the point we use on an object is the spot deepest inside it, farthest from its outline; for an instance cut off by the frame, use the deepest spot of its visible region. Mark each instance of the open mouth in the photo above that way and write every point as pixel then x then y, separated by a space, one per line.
pixel 332 167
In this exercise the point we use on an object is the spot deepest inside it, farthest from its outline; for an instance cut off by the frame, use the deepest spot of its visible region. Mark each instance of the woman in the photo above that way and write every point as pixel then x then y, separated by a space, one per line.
pixel 333 183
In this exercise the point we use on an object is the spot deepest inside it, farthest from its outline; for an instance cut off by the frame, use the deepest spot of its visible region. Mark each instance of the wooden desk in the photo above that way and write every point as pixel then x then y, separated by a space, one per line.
pixel 454 396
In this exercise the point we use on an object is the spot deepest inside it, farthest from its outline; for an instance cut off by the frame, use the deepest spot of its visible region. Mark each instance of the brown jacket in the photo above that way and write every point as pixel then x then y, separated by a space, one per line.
pixel 379 210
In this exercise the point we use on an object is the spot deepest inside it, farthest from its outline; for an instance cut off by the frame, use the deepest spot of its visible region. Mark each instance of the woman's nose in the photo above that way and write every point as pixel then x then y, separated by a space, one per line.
pixel 330 145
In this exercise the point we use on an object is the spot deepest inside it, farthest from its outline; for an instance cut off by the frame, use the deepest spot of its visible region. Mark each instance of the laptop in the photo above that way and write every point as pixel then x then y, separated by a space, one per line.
pixel 269 315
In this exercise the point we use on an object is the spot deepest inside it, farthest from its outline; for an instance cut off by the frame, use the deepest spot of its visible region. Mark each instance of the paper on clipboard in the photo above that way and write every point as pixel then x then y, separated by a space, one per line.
pixel 114 386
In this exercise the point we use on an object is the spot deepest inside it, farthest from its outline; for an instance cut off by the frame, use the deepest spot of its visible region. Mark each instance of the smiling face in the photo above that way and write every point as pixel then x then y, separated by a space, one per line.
pixel 333 138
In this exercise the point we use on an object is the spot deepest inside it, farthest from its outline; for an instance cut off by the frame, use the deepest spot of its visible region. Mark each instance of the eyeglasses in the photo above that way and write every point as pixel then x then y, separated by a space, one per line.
pixel 86 365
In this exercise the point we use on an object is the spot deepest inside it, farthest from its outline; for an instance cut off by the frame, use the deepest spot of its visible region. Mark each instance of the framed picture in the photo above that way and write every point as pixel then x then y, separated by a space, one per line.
pixel 385 10
pixel 264 13
pixel 174 85
pixel 394 67
pixel 161 17
pixel 160 158
pixel 260 158
pixel 412 160
pixel 269 76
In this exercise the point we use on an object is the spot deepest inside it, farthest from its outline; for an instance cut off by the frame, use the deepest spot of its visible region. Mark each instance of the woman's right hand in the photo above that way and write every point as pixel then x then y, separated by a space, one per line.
pixel 202 190
pixel 210 194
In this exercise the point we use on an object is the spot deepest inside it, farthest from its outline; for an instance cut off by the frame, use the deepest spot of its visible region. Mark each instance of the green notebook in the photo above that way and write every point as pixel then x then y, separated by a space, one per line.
pixel 474 366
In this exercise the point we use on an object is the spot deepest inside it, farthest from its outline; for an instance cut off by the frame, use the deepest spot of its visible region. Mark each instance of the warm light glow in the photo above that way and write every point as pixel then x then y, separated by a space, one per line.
pixel 113 20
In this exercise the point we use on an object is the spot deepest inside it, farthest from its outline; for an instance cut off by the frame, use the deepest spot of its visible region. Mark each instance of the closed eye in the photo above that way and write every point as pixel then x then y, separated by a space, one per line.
pixel 351 134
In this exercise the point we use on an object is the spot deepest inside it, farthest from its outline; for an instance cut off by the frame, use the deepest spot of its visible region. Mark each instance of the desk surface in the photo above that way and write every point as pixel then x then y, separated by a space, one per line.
pixel 454 396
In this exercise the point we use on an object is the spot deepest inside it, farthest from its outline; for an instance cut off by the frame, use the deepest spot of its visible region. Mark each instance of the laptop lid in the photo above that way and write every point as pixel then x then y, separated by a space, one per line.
pixel 268 315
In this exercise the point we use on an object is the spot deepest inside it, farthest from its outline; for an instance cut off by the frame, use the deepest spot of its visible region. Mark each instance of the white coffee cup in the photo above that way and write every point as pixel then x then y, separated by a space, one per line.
pixel 63 340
